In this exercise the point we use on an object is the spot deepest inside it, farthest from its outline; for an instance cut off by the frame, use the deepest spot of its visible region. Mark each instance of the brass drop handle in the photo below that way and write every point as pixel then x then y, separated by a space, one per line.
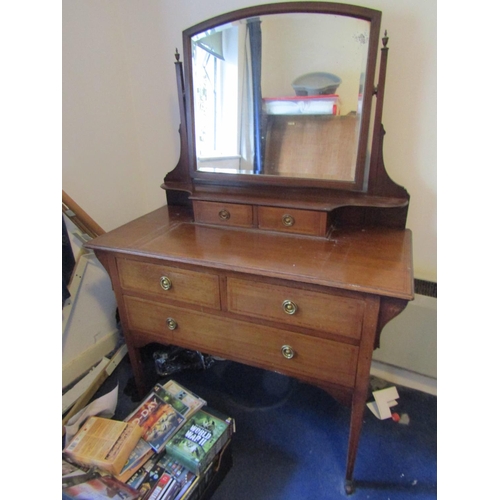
pixel 224 214
pixel 287 352
pixel 289 307
pixel 171 323
pixel 288 220
pixel 165 283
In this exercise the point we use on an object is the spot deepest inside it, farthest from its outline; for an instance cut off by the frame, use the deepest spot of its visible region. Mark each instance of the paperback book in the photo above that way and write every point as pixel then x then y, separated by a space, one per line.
pixel 103 443
pixel 146 482
pixel 100 488
pixel 72 475
pixel 139 456
pixel 148 477
pixel 181 474
pixel 166 488
pixel 188 487
pixel 142 473
pixel 70 470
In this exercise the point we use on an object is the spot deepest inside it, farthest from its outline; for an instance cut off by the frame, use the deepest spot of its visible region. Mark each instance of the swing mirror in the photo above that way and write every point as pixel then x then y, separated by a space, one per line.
pixel 282 91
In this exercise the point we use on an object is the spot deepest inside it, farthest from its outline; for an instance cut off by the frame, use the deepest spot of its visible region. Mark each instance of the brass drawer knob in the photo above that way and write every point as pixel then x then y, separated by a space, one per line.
pixel 224 214
pixel 289 307
pixel 171 323
pixel 287 352
pixel 288 220
pixel 165 283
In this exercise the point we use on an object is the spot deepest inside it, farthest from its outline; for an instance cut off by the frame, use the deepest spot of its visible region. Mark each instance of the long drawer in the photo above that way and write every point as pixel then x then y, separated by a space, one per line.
pixel 167 282
pixel 290 353
pixel 326 312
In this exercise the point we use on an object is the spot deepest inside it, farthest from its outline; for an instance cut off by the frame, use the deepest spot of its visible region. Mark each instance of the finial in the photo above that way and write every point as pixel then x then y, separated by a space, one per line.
pixel 177 55
pixel 385 39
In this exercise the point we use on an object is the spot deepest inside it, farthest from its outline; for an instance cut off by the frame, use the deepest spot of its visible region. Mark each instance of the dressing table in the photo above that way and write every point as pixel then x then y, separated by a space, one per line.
pixel 283 242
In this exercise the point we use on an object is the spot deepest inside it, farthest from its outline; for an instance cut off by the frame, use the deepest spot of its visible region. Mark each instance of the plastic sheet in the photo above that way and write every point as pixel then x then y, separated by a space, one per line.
pixel 174 359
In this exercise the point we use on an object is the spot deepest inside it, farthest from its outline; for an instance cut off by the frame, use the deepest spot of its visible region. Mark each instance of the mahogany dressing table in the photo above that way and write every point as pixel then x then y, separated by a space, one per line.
pixel 263 256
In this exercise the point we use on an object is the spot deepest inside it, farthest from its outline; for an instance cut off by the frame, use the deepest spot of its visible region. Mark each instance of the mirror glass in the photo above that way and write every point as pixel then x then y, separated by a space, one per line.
pixel 280 95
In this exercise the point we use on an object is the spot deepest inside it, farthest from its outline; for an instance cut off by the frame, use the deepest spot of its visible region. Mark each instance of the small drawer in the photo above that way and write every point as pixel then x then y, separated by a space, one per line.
pixel 271 348
pixel 326 312
pixel 227 214
pixel 167 282
pixel 307 222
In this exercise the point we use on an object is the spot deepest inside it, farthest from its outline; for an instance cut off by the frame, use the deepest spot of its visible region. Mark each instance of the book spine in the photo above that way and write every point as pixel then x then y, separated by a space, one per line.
pixel 191 465
pixel 187 491
pixel 160 487
pixel 171 490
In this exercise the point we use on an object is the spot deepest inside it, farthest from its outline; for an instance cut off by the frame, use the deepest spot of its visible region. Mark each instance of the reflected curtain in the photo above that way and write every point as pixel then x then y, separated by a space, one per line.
pixel 251 126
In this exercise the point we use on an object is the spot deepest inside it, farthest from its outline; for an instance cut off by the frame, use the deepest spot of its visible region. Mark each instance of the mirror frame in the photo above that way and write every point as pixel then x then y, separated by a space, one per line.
pixel 360 178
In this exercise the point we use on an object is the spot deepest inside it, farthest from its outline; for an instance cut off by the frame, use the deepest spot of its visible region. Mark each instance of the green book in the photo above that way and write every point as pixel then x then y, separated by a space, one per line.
pixel 199 439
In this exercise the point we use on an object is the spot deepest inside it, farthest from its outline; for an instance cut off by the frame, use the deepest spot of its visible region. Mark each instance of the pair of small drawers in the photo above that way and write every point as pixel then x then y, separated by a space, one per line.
pixel 307 222
pixel 156 299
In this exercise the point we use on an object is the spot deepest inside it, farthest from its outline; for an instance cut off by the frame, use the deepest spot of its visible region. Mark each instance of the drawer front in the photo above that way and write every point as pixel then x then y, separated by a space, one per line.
pixel 170 282
pixel 227 214
pixel 292 221
pixel 320 311
pixel 308 357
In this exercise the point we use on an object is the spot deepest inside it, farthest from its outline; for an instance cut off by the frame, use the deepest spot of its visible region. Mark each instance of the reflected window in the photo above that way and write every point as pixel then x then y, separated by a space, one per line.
pixel 215 67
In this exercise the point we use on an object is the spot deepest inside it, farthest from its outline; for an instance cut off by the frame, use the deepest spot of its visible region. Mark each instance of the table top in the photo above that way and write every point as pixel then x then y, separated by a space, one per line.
pixel 371 260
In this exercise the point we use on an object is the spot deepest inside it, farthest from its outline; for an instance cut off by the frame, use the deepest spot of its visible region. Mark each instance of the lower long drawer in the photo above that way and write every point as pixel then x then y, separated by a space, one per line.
pixel 305 357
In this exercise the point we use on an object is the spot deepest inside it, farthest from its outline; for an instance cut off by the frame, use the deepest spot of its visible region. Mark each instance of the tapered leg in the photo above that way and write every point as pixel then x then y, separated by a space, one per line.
pixel 357 411
pixel 361 386
pixel 138 370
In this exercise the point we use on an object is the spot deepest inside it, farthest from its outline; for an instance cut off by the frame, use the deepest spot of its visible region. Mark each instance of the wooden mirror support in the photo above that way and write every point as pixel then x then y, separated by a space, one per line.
pixel 287 275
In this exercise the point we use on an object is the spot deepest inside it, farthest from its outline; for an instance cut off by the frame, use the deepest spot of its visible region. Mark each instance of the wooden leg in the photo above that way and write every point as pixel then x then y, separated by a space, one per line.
pixel 361 386
pixel 137 369
pixel 357 411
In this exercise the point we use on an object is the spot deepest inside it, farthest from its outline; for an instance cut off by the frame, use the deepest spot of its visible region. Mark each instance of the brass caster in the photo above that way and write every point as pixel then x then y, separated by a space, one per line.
pixel 349 486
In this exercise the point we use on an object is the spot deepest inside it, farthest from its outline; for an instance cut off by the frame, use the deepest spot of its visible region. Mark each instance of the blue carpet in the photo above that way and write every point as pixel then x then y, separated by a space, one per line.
pixel 291 438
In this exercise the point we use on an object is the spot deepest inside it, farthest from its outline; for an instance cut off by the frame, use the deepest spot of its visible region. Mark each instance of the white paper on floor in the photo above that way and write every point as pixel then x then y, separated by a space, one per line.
pixel 384 400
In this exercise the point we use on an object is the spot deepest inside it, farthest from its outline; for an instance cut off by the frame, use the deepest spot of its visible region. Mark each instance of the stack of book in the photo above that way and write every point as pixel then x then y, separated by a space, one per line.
pixel 172 447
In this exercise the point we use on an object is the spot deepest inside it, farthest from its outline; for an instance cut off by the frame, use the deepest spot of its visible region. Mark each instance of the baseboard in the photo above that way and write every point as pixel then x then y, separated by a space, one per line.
pixel 82 363
pixel 405 378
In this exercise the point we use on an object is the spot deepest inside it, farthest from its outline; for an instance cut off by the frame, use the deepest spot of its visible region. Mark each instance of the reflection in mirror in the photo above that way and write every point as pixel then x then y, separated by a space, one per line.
pixel 280 95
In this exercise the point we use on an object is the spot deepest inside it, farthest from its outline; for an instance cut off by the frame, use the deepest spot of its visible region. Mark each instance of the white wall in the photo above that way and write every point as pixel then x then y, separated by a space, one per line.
pixel 102 167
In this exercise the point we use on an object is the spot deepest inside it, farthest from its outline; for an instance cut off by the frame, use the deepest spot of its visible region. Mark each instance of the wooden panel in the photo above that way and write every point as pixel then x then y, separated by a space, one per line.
pixel 314 358
pixel 321 311
pixel 187 286
pixel 371 260
pixel 210 212
pixel 317 147
pixel 304 221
